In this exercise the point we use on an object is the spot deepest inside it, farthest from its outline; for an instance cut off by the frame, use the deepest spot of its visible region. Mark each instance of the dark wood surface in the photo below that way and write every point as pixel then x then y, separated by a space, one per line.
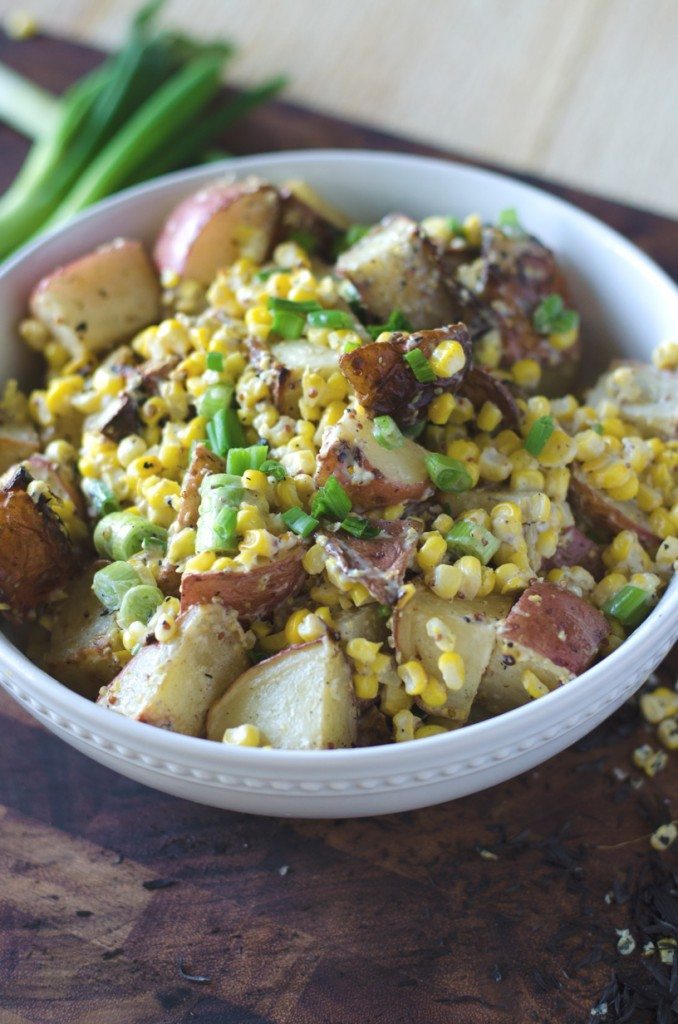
pixel 119 904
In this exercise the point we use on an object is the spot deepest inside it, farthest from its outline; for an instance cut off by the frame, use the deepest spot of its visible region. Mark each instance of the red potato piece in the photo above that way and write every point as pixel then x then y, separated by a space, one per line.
pixel 216 226
pixel 305 214
pixel 395 266
pixel 99 300
pixel 36 554
pixel 373 477
pixel 575 548
pixel 558 625
pixel 379 564
pixel 601 513
pixel 252 593
pixel 118 418
pixel 385 383
pixel 646 396
pixel 479 387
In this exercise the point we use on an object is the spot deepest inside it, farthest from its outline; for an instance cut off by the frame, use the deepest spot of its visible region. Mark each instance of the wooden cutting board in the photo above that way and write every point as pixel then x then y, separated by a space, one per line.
pixel 119 904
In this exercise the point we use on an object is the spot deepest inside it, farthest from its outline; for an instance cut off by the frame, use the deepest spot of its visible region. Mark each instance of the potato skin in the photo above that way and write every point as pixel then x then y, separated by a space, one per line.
pixel 36 554
pixel 479 387
pixel 386 385
pixel 379 564
pixel 605 516
pixel 252 593
pixel 575 548
pixel 395 266
pixel 556 624
pixel 214 227
pixel 101 299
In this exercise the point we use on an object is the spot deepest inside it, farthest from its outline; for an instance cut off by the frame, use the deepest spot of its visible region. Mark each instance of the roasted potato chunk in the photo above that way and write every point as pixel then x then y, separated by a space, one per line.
pixel 203 462
pixel 252 593
pixel 551 632
pixel 575 548
pixel 216 226
pixel 395 266
pixel 172 685
pixel 84 639
pixel 473 624
pixel 646 397
pixel 306 217
pixel 99 300
pixel 36 554
pixel 300 699
pixel 282 367
pixel 372 476
pixel 479 387
pixel 366 621
pixel 604 516
pixel 384 382
pixel 380 563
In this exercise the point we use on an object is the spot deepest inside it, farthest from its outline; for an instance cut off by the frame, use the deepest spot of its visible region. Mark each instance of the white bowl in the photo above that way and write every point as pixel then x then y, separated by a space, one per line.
pixel 628 306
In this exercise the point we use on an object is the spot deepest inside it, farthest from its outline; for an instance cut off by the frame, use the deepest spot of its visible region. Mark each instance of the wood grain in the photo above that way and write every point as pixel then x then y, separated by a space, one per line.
pixel 490 910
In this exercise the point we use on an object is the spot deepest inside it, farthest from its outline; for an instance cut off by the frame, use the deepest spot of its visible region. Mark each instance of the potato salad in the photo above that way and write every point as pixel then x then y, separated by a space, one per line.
pixel 295 482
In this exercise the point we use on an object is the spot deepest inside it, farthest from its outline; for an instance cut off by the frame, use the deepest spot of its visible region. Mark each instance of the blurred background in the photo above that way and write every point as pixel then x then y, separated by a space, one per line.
pixel 581 91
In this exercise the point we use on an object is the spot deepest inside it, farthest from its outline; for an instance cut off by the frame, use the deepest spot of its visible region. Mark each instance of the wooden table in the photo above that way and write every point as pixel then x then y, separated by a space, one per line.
pixel 120 904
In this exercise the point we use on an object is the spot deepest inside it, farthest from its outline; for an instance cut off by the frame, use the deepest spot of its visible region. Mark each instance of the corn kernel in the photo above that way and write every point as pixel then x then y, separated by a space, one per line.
pixel 404 723
pixel 446 581
pixel 667 732
pixel 665 355
pixel 200 563
pixel 661 523
pixel 366 685
pixel 292 634
pixel 664 836
pixel 413 675
pixel 488 350
pixel 563 340
pixel 447 359
pixel 313 560
pixel 526 373
pixel 441 408
pixel 434 694
pixel 311 627
pixel 659 704
pixel 243 736
pixel 425 731
pixel 452 669
pixel 473 228
pixel 362 650
pixel 489 417
pixel 533 685
pixel 432 552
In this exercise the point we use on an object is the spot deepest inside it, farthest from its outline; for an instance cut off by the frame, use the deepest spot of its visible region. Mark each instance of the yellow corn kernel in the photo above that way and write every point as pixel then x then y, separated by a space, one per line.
pixel 508 442
pixel 487 350
pixel 533 685
pixel 299 463
pixel 314 560
pixel 61 451
pixel 366 685
pixel 527 480
pixel 311 627
pixel 590 445
pixel 667 732
pixel 489 417
pixel 509 578
pixel 255 480
pixel 292 634
pixel 274 642
pixel 559 450
pixel 133 635
pixel 486 581
pixel 432 552
pixel 463 450
pixel 257 543
pixel 446 580
pixel 647 498
pixel 441 635
pixel 404 724
pixel 200 563
pixel 224 564
pixel 659 704
pixel 413 675
pixel 473 229
pixel 170 454
pixel 434 694
pixel 441 408
pixel 494 465
pixel 143 467
pixel 667 554
pixel 447 359
pixel 443 523
pixel 360 595
pixel 424 731
pixel 193 431
pixel 362 650
pixel 249 518
pixel 471 576
pixel 562 340
pixel 452 669
pixel 607 588
pixel 526 373
pixel 394 511
pixel 557 482
pixel 661 523
pixel 243 736
pixel 646 581
pixel 547 542
pixel 665 355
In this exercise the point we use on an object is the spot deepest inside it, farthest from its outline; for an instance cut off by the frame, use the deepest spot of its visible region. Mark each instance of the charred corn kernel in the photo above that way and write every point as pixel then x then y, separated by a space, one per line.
pixel 360 595
pixel 667 731
pixel 663 837
pixel 659 704
pixel 473 227
pixel 362 650
pixel 424 731
pixel 366 685
pixel 665 355
pixel 442 523
pixel 559 450
pixel 413 675
pixel 447 359
pixel 563 340
pixel 533 685
pixel 526 373
pixel 404 724
pixel 493 465
pixel 452 669
pixel 441 635
pixel 471 576
pixel 667 554
pixel 200 563
pixel 489 417
pixel 434 694
pixel 432 552
pixel 440 409
pixel 247 735
pixel 607 588
pixel 488 350
pixel 661 523
pixel 463 450
pixel 446 580
pixel 314 560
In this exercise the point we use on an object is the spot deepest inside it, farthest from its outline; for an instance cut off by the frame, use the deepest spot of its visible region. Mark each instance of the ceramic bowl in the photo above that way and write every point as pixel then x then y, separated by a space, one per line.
pixel 628 306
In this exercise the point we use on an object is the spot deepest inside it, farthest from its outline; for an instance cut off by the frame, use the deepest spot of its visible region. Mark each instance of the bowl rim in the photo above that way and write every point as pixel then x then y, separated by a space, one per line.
pixel 648 636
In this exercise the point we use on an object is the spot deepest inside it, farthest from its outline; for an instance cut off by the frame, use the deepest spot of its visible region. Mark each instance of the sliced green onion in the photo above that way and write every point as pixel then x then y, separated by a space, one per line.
pixel 597 428
pixel 272 468
pixel 288 325
pixel 397 321
pixel 225 431
pixel 335 319
pixel 111 583
pixel 350 237
pixel 416 430
pixel 420 366
pixel 384 610
pixel 277 305
pixel 455 226
pixel 630 605
pixel 331 501
pixel 351 346
pixel 509 224
pixel 215 361
pixel 551 316
pixel 138 604
pixel 359 527
pixel 225 528
pixel 263 275
pixel 448 474
pixel 120 535
pixel 99 496
pixel 299 522
pixel 216 397
pixel 219 489
pixel 469 538
pixel 538 435
pixel 239 460
pixel 387 433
